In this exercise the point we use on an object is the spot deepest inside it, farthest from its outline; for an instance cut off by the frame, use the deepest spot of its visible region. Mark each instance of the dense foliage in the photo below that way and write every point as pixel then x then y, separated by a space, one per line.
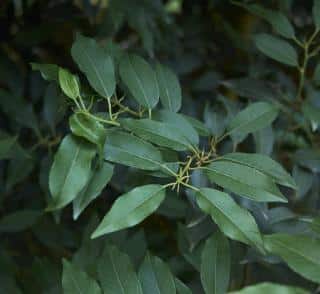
pixel 153 146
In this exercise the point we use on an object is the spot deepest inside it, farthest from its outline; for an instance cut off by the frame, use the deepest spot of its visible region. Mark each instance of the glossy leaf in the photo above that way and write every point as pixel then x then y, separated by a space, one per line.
pixel 263 164
pixel 244 180
pixel 69 84
pixel 169 88
pixel 234 221
pixel 98 179
pixel 96 64
pixel 86 127
pixel 70 171
pixel 266 288
pixel 301 253
pixel 75 281
pixel 140 79
pixel 116 272
pixel 159 133
pixel 132 151
pixel 253 118
pixel 215 264
pixel 277 49
pixel 131 208
pixel 155 276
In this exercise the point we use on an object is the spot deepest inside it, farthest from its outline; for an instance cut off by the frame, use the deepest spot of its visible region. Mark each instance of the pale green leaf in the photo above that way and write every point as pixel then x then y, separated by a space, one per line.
pixel 96 64
pixel 116 273
pixel 69 84
pixel 301 253
pixel 70 171
pixel 131 208
pixel 140 79
pixel 97 181
pixel 169 88
pixel 181 287
pixel 215 264
pixel 244 180
pixel 234 221
pixel 88 128
pixel 277 49
pixel 75 281
pixel 155 276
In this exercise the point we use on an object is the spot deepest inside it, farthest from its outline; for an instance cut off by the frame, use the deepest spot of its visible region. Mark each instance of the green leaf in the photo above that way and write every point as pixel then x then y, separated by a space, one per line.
pixel 215 264
pixel 75 281
pixel 19 220
pixel 169 88
pixel 316 13
pixel 131 208
pixel 155 276
pixel 159 133
pixel 181 287
pixel 279 21
pixel 234 221
pixel 277 49
pixel 96 64
pixel 70 171
pixel 309 158
pixel 199 126
pixel 116 273
pixel 315 225
pixel 316 74
pixel 69 84
pixel 263 164
pixel 86 127
pixel 312 113
pixel 6 145
pixel 140 79
pixel 48 72
pixel 301 253
pixel 129 150
pixel 253 118
pixel 98 179
pixel 179 122
pixel 268 288
pixel 244 180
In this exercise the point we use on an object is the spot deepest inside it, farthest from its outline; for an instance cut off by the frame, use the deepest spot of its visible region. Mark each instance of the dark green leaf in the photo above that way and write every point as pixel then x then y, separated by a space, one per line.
pixel 268 288
pixel 263 164
pixel 75 281
pixel 129 150
pixel 159 133
pixel 169 88
pixel 98 179
pixel 6 143
pixel 96 64
pixel 140 79
pixel 301 253
pixel 48 71
pixel 244 180
pixel 234 221
pixel 181 287
pixel 131 208
pixel 215 264
pixel 155 276
pixel 70 171
pixel 316 13
pixel 253 118
pixel 277 49
pixel 116 273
